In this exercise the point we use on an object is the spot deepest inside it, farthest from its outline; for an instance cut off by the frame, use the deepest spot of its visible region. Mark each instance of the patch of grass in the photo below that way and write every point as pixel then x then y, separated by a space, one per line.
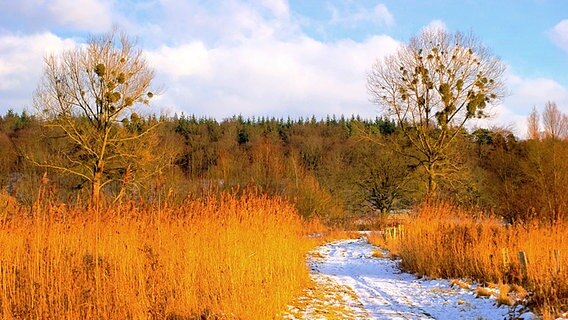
pixel 518 291
pixel 483 292
pixel 503 298
pixel 460 283
pixel 325 299
pixel 317 255
pixel 377 254
pixel 381 240
pixel 463 302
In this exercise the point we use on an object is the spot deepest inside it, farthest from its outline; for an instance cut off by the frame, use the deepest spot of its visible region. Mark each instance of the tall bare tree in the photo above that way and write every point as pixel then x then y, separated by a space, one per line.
pixel 555 123
pixel 84 95
pixel 533 124
pixel 432 86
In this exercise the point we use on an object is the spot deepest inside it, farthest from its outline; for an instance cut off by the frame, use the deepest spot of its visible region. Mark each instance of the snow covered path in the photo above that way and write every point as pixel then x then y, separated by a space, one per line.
pixel 381 291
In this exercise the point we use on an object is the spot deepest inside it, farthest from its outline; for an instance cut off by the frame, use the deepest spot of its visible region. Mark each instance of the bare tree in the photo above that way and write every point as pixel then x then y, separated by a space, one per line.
pixel 84 95
pixel 533 123
pixel 555 123
pixel 432 87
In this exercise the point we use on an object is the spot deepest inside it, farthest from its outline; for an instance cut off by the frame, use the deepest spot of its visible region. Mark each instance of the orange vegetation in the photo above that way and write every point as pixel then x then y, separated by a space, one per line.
pixel 216 258
pixel 441 240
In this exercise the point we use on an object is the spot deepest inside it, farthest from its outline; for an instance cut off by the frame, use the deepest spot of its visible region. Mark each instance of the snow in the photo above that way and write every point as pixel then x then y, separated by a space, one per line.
pixel 377 289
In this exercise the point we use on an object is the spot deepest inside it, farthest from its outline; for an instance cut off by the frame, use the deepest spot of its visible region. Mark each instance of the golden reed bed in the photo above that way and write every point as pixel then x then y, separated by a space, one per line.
pixel 233 257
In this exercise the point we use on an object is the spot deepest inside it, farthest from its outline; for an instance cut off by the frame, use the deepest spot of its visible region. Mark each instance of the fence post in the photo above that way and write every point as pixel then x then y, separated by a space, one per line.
pixel 505 257
pixel 524 264
pixel 556 254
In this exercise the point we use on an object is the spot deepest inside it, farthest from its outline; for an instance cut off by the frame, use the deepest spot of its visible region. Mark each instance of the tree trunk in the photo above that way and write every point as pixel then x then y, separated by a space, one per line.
pixel 97 183
pixel 431 183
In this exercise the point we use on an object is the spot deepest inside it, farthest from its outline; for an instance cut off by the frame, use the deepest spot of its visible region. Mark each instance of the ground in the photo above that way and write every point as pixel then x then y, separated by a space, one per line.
pixel 350 283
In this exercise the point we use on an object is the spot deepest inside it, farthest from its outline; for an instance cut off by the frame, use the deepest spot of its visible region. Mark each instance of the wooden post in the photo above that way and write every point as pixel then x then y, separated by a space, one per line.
pixel 505 257
pixel 524 264
pixel 556 255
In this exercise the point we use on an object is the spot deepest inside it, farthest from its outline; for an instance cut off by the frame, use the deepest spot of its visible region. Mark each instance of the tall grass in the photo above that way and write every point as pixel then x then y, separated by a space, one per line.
pixel 444 241
pixel 216 258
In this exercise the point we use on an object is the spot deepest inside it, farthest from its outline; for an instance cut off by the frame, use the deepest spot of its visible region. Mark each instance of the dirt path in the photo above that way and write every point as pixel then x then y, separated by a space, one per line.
pixel 351 284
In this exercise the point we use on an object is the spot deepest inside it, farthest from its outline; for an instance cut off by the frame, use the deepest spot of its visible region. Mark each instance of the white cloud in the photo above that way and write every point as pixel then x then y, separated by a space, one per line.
pixel 39 15
pixel 526 93
pixel 185 60
pixel 21 65
pixel 357 15
pixel 277 78
pixel 223 21
pixel 436 25
pixel 89 15
pixel 536 92
pixel 383 14
pixel 559 34
pixel 279 8
pixel 259 62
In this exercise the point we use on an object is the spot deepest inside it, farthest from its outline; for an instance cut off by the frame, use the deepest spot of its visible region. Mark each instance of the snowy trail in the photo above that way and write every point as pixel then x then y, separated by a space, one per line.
pixel 382 291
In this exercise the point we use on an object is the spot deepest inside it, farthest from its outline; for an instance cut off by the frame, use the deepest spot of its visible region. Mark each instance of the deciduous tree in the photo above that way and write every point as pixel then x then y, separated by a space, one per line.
pixel 533 125
pixel 432 86
pixel 555 123
pixel 84 95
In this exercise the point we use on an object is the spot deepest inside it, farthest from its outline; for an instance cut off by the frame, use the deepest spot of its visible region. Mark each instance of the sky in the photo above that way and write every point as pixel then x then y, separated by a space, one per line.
pixel 281 58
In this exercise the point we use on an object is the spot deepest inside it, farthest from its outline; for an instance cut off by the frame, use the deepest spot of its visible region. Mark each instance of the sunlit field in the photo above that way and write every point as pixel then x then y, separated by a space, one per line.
pixel 215 258
pixel 251 160
pixel 444 241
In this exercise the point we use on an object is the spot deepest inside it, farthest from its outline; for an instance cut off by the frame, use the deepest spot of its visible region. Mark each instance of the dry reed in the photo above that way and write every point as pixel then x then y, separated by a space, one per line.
pixel 216 258
pixel 441 240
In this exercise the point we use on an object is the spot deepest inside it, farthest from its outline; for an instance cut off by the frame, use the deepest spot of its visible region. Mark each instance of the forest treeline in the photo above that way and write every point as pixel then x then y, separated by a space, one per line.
pixel 335 168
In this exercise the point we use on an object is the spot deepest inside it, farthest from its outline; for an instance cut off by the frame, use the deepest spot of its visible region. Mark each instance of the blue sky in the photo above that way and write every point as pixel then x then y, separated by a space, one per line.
pixel 286 58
